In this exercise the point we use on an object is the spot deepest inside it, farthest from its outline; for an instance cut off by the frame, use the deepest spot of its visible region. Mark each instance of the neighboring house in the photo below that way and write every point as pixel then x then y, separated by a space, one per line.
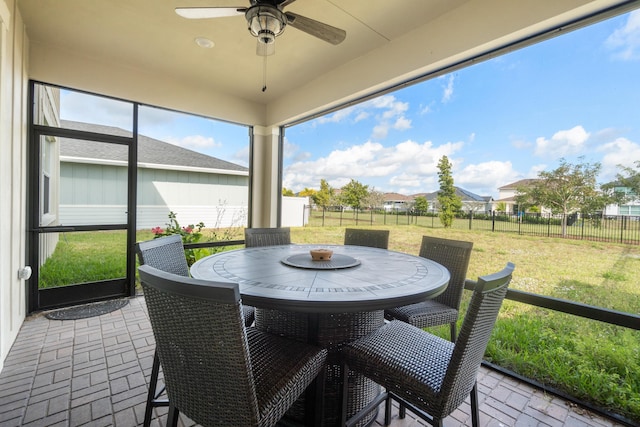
pixel 507 194
pixel 631 206
pixel 197 187
pixel 394 202
pixel 471 202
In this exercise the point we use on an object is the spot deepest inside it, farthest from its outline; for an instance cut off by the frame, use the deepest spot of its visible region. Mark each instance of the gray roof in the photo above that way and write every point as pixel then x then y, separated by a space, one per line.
pixel 149 150
pixel 465 195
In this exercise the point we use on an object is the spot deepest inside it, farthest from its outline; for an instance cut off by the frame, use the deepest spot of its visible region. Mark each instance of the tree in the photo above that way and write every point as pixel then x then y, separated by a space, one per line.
pixel 629 179
pixel 287 192
pixel 421 204
pixel 449 201
pixel 501 207
pixel 354 193
pixel 375 199
pixel 307 192
pixel 323 196
pixel 567 189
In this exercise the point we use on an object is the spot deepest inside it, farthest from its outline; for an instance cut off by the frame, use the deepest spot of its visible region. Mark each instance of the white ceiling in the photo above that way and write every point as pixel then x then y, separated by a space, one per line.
pixel 142 50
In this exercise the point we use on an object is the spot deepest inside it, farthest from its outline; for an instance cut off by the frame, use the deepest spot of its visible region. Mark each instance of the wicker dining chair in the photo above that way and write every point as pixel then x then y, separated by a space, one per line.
pixel 167 254
pixel 443 309
pixel 425 373
pixel 364 237
pixel 254 237
pixel 218 371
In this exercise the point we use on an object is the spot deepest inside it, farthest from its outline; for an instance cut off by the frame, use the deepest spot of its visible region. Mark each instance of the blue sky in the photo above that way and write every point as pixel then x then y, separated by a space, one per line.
pixel 497 121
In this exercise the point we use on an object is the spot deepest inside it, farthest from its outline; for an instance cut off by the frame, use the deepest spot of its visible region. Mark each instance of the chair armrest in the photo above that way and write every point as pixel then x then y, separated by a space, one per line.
pixel 470 284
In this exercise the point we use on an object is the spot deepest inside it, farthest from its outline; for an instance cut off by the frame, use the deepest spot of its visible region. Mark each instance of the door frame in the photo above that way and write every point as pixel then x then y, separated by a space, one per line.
pixel 40 299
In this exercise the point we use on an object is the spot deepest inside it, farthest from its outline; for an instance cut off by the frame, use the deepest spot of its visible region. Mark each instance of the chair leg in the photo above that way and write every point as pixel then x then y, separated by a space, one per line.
pixel 402 411
pixel 172 416
pixel 151 394
pixel 453 331
pixel 387 410
pixel 475 415
pixel 314 402
pixel 344 394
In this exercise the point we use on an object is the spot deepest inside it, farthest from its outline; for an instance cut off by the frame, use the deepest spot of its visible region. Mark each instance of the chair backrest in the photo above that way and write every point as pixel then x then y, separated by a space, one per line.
pixel 455 256
pixel 364 237
pixel 202 345
pixel 473 338
pixel 254 237
pixel 164 253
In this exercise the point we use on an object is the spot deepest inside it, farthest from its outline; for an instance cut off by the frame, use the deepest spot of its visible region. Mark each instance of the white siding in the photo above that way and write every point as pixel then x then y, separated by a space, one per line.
pixel 97 194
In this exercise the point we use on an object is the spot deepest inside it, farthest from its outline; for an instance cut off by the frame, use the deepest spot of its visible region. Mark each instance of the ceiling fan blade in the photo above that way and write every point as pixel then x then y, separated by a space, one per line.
pixel 265 49
pixel 285 3
pixel 209 12
pixel 315 28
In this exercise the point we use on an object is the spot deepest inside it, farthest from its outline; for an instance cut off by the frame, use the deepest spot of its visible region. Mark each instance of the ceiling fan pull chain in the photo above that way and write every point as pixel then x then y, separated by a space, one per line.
pixel 264 73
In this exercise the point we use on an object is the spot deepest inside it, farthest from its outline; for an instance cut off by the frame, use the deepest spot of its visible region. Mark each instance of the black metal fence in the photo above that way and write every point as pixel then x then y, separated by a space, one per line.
pixel 618 228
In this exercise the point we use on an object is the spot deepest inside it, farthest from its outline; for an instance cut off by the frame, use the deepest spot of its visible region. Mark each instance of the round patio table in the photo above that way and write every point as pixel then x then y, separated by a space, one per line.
pixel 328 303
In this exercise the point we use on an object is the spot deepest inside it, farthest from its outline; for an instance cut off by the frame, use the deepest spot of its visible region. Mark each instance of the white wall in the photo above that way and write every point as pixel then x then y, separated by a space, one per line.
pixel 294 213
pixel 13 131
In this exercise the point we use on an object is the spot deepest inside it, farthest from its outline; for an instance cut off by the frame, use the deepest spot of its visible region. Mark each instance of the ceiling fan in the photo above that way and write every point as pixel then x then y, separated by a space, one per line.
pixel 266 20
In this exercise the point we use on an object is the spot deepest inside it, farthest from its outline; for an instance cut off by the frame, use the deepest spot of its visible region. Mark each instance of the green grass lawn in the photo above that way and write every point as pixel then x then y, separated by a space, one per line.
pixel 593 361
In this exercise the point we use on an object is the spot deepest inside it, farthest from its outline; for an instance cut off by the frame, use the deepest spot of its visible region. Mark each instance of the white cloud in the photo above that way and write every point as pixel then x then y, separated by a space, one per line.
pixel 402 123
pixel 380 131
pixel 80 107
pixel 387 111
pixel 535 170
pixel 625 41
pixel 337 117
pixel 485 178
pixel 425 109
pixel 621 151
pixel 406 180
pixel 197 142
pixel 406 165
pixel 562 143
pixel 447 92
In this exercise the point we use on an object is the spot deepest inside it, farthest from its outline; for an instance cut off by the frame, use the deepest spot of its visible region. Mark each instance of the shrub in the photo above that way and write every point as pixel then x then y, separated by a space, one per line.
pixel 190 234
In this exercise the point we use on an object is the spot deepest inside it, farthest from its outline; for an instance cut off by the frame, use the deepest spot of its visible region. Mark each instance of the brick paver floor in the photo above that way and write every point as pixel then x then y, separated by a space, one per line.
pixel 94 372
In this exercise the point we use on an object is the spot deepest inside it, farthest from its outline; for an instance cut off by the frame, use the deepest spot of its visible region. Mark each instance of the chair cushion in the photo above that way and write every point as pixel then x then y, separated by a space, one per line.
pixel 424 314
pixel 407 361
pixel 282 370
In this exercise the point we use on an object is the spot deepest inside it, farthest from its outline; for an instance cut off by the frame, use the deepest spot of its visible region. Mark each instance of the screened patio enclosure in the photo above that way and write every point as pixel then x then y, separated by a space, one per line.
pixel 143 52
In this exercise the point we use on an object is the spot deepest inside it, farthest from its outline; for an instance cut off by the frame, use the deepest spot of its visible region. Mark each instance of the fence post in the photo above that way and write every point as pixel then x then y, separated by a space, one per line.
pixel 341 211
pixel 493 221
pixel 470 219
pixel 324 209
pixel 622 228
pixel 549 226
pixel 371 216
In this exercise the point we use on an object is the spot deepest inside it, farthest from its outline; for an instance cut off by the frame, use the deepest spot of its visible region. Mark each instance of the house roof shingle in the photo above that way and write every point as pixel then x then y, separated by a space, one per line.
pixel 150 150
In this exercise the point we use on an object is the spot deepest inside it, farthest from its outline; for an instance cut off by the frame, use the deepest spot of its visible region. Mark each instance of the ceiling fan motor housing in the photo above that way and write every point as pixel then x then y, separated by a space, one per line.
pixel 265 22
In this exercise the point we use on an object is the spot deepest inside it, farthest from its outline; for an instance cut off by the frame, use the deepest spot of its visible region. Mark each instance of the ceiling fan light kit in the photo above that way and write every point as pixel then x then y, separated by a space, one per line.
pixel 265 23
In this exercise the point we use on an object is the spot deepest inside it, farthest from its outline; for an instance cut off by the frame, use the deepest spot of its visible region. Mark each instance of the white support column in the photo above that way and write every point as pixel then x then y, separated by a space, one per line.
pixel 265 191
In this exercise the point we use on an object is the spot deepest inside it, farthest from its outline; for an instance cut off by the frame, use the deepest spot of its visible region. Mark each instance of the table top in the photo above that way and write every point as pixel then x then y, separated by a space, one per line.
pixel 374 279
